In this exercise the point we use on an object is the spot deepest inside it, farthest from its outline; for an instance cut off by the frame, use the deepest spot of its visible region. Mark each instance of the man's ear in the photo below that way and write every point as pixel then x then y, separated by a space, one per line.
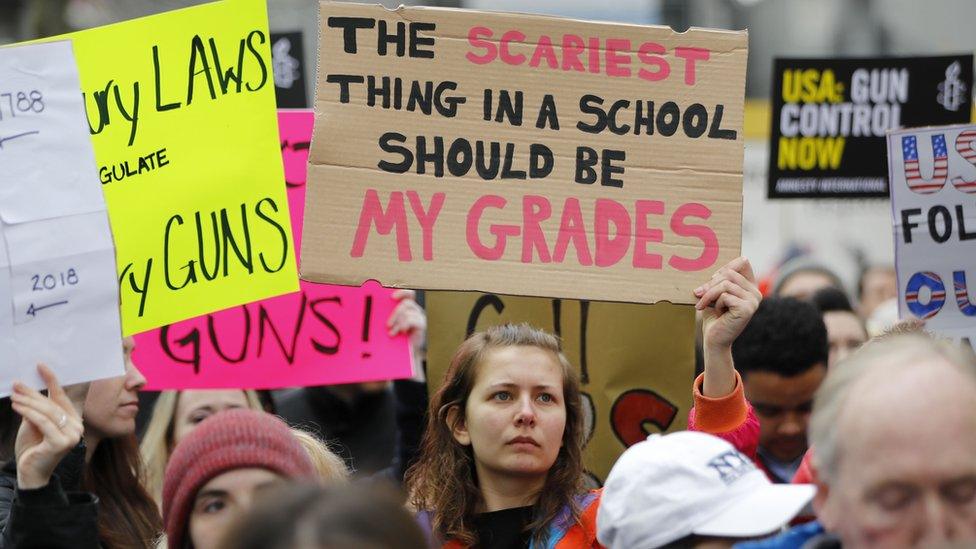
pixel 824 513
pixel 455 422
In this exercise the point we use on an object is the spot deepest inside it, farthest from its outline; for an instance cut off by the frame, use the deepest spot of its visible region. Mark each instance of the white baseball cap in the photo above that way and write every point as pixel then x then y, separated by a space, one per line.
pixel 670 487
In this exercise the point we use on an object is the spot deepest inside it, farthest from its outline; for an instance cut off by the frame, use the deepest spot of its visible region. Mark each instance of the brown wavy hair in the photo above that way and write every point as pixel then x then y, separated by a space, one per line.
pixel 127 515
pixel 443 481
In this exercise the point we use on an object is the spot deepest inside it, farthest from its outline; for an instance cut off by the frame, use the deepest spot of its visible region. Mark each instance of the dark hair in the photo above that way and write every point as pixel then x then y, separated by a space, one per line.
pixel 127 514
pixel 831 299
pixel 786 336
pixel 443 480
pixel 9 426
pixel 365 515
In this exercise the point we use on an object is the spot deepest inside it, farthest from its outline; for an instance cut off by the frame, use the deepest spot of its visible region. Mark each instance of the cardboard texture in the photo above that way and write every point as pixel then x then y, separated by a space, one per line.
pixel 636 361
pixel 321 335
pixel 830 117
pixel 610 154
pixel 181 109
pixel 933 187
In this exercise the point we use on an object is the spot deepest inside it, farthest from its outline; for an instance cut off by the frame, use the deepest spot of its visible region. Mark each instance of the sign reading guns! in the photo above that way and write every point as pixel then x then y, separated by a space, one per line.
pixel 518 154
pixel 830 117
pixel 933 203
pixel 321 335
pixel 181 113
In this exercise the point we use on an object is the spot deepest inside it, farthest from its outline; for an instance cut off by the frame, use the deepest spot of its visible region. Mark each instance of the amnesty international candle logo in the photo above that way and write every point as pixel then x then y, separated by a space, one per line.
pixel 952 91
pixel 830 117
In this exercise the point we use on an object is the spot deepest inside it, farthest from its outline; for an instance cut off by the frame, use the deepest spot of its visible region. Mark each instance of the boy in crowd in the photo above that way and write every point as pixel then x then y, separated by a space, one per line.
pixel 782 357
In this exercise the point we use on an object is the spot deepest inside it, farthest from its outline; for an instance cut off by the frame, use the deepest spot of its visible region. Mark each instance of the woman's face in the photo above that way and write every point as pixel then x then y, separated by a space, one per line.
pixel 221 500
pixel 112 404
pixel 845 333
pixel 515 415
pixel 194 406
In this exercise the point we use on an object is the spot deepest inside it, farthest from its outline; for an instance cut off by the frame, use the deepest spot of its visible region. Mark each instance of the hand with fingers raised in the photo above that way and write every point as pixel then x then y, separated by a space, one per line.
pixel 409 318
pixel 726 302
pixel 51 427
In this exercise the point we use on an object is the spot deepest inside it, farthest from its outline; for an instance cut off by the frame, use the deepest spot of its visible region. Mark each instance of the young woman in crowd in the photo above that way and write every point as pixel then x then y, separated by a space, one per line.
pixel 216 471
pixel 175 415
pixel 77 477
pixel 501 461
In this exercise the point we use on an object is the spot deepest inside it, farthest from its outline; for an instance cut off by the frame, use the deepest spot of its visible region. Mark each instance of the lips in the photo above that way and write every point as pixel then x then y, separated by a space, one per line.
pixel 523 440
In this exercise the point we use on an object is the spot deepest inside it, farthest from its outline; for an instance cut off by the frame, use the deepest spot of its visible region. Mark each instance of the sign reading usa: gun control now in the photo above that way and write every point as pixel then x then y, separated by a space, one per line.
pixel 830 117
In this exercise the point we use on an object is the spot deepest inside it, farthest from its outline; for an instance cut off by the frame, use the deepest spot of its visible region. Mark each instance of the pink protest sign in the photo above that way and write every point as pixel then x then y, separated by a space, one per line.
pixel 321 335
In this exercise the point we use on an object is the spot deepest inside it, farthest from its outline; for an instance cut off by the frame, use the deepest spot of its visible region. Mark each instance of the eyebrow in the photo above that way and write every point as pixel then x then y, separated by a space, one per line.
pixel 510 385
pixel 212 492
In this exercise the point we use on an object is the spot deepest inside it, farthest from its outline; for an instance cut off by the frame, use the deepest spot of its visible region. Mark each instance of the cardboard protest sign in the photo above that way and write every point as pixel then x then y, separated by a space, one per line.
pixel 933 207
pixel 636 361
pixel 522 154
pixel 830 117
pixel 58 293
pixel 181 109
pixel 320 335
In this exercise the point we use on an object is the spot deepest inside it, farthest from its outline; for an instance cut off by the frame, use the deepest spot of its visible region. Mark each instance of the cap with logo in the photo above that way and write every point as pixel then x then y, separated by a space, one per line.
pixel 670 487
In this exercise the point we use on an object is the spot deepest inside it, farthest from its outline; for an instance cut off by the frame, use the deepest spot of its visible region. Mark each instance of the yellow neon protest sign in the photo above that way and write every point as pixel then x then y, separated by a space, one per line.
pixel 181 108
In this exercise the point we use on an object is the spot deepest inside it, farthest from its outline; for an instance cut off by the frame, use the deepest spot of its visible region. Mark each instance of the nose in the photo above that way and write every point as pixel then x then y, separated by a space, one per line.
pixel 793 424
pixel 134 380
pixel 843 351
pixel 525 415
pixel 936 526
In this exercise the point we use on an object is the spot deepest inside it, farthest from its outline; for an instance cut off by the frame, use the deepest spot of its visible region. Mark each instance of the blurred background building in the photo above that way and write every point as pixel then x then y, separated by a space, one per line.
pixel 848 233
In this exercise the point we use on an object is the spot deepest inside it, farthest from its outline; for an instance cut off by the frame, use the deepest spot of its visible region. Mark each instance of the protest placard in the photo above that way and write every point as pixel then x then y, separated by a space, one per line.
pixel 933 207
pixel 181 109
pixel 636 362
pixel 321 335
pixel 523 154
pixel 830 117
pixel 58 291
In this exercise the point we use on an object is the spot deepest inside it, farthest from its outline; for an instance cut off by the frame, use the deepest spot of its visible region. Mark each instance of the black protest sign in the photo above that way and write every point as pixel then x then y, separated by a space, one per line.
pixel 830 117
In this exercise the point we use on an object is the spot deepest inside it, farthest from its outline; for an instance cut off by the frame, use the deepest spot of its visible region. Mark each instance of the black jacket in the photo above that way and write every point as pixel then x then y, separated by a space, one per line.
pixel 55 516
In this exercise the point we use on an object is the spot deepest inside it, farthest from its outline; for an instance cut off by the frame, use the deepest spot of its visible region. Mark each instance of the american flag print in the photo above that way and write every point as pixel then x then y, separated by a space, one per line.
pixel 966 147
pixel 966 306
pixel 913 175
pixel 936 300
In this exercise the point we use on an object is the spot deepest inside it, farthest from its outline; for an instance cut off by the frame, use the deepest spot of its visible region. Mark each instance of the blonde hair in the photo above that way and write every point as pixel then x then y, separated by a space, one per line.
pixel 157 442
pixel 330 467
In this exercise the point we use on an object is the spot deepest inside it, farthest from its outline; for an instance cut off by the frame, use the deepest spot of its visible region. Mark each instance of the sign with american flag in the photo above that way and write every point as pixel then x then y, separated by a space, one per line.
pixel 932 172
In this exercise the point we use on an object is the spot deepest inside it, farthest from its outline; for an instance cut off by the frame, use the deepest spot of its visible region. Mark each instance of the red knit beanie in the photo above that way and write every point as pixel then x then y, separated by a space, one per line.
pixel 232 439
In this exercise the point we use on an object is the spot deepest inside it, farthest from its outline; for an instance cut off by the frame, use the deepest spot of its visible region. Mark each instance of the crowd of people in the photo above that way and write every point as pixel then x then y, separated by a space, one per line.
pixel 808 430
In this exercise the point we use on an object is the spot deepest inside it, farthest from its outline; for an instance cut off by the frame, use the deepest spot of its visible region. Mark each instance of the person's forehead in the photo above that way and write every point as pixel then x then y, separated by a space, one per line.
pixel 521 365
pixel 197 398
pixel 843 322
pixel 240 479
pixel 805 282
pixel 886 449
pixel 771 388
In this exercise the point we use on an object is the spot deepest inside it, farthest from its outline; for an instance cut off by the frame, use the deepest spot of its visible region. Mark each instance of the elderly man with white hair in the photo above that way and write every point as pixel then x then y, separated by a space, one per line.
pixel 894 448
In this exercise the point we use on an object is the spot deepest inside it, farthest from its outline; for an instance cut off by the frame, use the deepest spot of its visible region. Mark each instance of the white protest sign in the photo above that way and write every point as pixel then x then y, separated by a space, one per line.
pixel 59 301
pixel 933 203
